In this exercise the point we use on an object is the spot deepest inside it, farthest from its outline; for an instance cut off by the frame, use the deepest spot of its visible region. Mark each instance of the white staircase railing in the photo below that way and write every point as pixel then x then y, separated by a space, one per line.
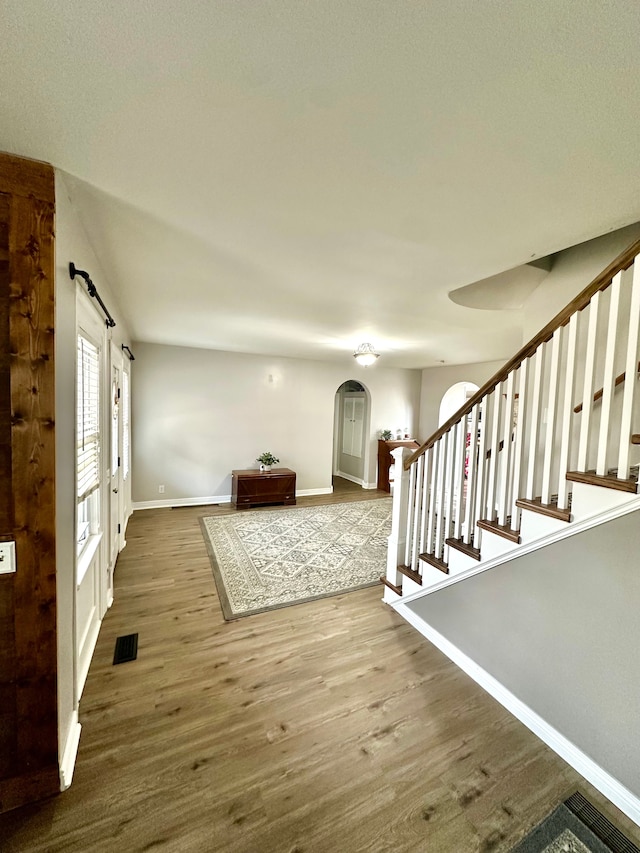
pixel 523 438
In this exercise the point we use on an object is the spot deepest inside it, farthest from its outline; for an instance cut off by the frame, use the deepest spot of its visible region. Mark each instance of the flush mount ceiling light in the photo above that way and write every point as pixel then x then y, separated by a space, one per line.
pixel 365 355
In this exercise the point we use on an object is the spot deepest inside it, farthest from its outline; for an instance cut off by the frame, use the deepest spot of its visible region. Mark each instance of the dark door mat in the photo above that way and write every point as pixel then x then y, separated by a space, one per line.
pixel 126 649
pixel 576 825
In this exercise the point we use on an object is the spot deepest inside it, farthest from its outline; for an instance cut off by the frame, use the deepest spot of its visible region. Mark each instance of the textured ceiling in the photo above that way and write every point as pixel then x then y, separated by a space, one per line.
pixel 295 178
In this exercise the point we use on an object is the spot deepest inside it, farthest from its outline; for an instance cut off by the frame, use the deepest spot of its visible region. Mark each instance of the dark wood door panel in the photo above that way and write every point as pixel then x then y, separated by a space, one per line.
pixel 28 648
pixel 6 517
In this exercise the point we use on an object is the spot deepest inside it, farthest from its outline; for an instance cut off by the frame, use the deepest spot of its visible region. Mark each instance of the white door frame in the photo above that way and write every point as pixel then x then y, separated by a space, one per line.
pixel 115 483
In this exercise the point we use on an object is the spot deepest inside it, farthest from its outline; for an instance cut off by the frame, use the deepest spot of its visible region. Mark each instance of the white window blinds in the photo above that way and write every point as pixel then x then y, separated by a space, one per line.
pixel 125 425
pixel 88 417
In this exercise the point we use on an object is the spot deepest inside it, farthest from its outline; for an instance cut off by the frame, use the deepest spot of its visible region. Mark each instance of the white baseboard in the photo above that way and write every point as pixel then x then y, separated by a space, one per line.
pixel 170 502
pixel 620 796
pixel 214 499
pixel 356 480
pixel 70 752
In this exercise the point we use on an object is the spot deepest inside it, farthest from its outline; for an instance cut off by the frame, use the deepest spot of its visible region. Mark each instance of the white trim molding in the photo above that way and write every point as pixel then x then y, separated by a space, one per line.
pixel 357 480
pixel 70 752
pixel 620 796
pixel 171 502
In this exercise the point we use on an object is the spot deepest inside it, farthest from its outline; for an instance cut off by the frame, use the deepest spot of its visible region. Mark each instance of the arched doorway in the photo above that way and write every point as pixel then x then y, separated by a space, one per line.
pixel 454 398
pixel 351 436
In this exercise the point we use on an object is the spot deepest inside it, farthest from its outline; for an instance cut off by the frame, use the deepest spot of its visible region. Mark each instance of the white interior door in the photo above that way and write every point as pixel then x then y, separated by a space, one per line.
pixel 353 425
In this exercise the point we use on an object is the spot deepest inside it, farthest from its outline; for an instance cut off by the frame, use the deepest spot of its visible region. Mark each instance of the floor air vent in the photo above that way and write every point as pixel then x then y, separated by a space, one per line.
pixel 126 649
pixel 599 825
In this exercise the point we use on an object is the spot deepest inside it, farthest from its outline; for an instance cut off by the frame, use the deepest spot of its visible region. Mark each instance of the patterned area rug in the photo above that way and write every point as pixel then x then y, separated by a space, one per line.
pixel 268 559
pixel 576 826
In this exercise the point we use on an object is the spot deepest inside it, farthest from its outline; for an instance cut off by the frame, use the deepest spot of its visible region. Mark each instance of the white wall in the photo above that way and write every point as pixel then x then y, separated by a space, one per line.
pixel 198 414
pixel 71 245
pixel 572 271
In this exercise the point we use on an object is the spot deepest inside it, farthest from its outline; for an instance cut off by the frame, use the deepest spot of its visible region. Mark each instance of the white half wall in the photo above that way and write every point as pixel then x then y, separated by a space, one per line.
pixel 198 414
pixel 558 628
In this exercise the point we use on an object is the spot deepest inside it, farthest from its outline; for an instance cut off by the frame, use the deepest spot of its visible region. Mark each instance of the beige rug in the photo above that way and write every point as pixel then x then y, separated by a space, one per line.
pixel 262 560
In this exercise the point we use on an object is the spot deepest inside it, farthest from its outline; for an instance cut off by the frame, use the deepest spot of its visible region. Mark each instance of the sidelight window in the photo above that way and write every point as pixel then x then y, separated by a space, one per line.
pixel 88 439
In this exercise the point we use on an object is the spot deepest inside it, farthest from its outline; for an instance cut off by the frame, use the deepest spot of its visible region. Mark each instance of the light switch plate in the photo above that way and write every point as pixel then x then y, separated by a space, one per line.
pixel 7 557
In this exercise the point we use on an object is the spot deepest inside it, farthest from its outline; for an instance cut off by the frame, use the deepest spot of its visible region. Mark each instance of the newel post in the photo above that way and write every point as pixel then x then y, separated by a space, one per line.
pixel 399 515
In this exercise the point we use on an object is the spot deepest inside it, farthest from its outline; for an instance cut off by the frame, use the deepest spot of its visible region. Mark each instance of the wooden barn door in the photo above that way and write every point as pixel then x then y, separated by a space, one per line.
pixel 28 660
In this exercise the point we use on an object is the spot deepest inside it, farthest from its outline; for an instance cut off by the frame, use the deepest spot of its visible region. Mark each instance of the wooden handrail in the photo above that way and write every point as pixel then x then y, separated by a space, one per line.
pixel 618 381
pixel 578 303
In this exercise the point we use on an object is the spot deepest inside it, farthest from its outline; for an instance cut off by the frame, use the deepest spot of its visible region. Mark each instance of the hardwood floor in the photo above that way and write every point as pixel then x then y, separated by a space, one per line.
pixel 328 727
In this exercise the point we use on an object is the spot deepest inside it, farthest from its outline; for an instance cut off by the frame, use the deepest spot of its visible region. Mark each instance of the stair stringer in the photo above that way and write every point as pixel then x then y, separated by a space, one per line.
pixel 632 504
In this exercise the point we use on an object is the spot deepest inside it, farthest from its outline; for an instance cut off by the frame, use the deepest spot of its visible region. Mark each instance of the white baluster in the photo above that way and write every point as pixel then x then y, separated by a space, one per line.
pixel 444 453
pixel 631 375
pixel 552 405
pixel 426 497
pixel 416 515
pixel 521 420
pixel 410 515
pixel 432 498
pixel 494 449
pixel 505 460
pixel 450 481
pixel 483 464
pixel 534 420
pixel 461 450
pixel 469 513
pixel 587 391
pixel 602 464
pixel 567 413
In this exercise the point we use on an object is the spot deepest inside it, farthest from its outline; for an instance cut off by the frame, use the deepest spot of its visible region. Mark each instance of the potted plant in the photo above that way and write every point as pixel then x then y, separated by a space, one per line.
pixel 385 434
pixel 266 460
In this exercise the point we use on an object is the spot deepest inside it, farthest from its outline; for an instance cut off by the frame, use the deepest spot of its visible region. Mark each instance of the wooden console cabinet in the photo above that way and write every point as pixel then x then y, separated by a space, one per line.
pixel 385 459
pixel 257 488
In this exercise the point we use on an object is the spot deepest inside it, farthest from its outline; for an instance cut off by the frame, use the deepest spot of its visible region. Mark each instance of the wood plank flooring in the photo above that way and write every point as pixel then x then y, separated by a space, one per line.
pixel 327 727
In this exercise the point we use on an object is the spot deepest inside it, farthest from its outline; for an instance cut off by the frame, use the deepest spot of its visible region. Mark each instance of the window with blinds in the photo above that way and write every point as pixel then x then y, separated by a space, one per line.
pixel 125 425
pixel 88 460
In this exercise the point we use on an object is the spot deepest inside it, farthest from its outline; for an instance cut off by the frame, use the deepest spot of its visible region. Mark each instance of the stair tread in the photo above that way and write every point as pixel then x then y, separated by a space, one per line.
pixel 503 530
pixel 432 560
pixel 551 509
pixel 392 586
pixel 464 547
pixel 408 572
pixel 608 481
